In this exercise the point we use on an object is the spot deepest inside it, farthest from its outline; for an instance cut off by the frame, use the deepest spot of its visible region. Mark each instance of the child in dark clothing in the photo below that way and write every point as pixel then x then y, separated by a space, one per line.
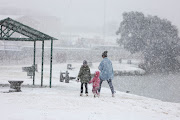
pixel 84 76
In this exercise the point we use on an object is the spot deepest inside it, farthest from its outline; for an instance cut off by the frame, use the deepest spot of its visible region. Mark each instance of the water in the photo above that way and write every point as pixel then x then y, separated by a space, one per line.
pixel 159 86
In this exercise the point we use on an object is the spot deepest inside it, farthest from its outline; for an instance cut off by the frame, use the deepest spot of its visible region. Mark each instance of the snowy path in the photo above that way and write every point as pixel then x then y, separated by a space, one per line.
pixel 63 102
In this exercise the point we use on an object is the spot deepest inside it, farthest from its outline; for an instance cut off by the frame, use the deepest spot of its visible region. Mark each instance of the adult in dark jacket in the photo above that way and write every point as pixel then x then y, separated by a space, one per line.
pixel 84 76
pixel 107 73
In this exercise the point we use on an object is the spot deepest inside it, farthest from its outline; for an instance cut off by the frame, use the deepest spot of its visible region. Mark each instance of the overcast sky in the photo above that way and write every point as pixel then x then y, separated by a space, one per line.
pixel 91 12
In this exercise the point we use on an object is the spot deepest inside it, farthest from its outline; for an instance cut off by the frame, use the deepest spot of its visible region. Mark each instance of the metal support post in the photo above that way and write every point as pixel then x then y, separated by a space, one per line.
pixel 42 63
pixel 34 62
pixel 1 30
pixel 51 57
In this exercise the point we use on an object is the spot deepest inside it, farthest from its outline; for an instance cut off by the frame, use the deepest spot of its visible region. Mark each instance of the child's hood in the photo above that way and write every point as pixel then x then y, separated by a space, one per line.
pixel 97 74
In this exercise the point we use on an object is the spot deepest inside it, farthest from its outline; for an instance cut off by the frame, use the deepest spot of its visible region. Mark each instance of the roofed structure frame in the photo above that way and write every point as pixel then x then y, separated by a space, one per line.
pixel 9 26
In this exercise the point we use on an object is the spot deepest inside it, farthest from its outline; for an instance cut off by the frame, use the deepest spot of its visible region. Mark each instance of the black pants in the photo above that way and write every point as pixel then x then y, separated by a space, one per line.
pixel 86 87
pixel 110 85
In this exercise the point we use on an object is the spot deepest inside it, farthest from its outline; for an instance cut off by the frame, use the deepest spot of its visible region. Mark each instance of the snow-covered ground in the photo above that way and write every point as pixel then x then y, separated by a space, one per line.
pixel 62 101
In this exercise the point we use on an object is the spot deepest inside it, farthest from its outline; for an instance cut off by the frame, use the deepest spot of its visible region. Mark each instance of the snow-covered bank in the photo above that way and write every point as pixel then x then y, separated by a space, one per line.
pixel 63 102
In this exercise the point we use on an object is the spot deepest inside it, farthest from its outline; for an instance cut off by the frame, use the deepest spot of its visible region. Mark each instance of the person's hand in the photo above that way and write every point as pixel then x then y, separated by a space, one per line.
pixel 77 80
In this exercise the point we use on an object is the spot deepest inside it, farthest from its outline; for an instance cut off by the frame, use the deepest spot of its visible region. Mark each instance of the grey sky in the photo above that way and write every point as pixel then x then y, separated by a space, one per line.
pixel 91 12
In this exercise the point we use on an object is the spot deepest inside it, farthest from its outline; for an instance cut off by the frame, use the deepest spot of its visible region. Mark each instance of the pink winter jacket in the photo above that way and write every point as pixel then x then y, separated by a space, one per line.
pixel 96 79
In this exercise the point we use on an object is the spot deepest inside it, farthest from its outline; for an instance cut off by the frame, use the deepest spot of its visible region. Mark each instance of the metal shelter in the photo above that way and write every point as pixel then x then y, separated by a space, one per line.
pixel 9 26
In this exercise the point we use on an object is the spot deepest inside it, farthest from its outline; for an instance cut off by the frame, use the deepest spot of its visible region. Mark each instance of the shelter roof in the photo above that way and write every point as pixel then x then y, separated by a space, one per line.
pixel 11 26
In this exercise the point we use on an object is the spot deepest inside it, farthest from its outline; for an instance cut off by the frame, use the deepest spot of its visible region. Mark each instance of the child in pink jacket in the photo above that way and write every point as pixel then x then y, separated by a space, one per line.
pixel 95 82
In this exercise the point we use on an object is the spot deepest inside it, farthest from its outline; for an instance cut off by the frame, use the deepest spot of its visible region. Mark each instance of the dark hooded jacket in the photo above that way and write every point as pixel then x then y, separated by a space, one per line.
pixel 84 74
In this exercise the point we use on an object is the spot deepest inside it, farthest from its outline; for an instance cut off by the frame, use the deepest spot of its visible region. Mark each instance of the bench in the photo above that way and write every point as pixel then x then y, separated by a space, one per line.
pixel 69 67
pixel 15 86
pixel 65 76
pixel 29 70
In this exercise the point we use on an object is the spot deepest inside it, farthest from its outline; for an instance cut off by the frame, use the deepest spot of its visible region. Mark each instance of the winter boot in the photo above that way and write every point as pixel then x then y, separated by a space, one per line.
pixel 98 94
pixel 86 94
pixel 81 94
pixel 113 95
pixel 94 96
